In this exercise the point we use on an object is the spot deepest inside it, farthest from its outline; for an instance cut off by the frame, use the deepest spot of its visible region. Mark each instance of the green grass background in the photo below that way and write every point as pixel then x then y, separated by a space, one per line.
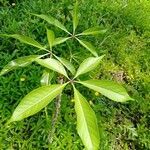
pixel 127 48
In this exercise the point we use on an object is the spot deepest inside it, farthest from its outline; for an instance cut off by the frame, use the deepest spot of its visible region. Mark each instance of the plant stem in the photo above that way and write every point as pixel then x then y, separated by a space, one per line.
pixel 56 114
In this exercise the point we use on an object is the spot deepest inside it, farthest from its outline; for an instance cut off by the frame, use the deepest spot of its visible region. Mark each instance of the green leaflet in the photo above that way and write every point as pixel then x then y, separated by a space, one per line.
pixel 67 64
pixel 88 46
pixel 60 40
pixel 86 122
pixel 24 39
pixel 20 62
pixel 52 21
pixel 35 101
pixel 88 65
pixel 93 31
pixel 110 89
pixel 50 37
pixel 75 16
pixel 52 64
pixel 55 41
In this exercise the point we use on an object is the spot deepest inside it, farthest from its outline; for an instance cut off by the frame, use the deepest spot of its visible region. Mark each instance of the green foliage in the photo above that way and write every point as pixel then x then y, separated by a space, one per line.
pixel 20 62
pixel 35 101
pixel 41 97
pixel 67 64
pixel 88 65
pixel 93 31
pixel 52 64
pixel 88 46
pixel 24 39
pixel 50 37
pixel 46 77
pixel 52 21
pixel 86 122
pixel 75 17
pixel 126 44
pixel 110 89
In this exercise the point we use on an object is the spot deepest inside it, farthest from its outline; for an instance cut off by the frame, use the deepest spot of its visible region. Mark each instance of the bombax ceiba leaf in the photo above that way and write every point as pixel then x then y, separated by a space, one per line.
pixel 110 89
pixel 24 39
pixel 20 62
pixel 86 122
pixel 35 101
pixel 88 65
pixel 52 64
pixel 52 21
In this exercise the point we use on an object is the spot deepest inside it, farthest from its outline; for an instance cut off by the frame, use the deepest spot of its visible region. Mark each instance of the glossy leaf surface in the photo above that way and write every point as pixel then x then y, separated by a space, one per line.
pixel 25 39
pixel 110 89
pixel 52 64
pixel 88 65
pixel 93 31
pixel 86 122
pixel 60 40
pixel 75 16
pixel 20 62
pixel 88 46
pixel 67 64
pixel 35 101
pixel 52 21
pixel 50 37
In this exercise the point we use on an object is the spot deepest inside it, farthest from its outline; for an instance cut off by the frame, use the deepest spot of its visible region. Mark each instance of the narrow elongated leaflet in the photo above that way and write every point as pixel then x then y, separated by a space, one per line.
pixel 50 37
pixel 93 31
pixel 52 64
pixel 75 16
pixel 35 101
pixel 20 62
pixel 88 65
pixel 88 46
pixel 110 89
pixel 86 122
pixel 24 39
pixel 67 64
pixel 55 41
pixel 60 40
pixel 52 21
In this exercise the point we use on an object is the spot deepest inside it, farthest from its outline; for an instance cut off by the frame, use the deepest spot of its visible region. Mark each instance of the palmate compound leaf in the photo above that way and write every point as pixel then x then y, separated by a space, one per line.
pixel 86 122
pixel 88 65
pixel 24 39
pixel 93 31
pixel 35 101
pixel 67 64
pixel 20 62
pixel 52 64
pixel 52 21
pixel 110 89
pixel 88 46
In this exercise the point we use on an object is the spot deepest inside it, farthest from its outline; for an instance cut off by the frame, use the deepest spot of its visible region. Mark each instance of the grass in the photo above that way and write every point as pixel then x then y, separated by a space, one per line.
pixel 127 48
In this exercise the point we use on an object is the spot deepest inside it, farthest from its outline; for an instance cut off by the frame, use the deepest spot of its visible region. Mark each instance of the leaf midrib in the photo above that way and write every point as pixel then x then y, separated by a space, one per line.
pixel 84 119
pixel 38 101
pixel 103 89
